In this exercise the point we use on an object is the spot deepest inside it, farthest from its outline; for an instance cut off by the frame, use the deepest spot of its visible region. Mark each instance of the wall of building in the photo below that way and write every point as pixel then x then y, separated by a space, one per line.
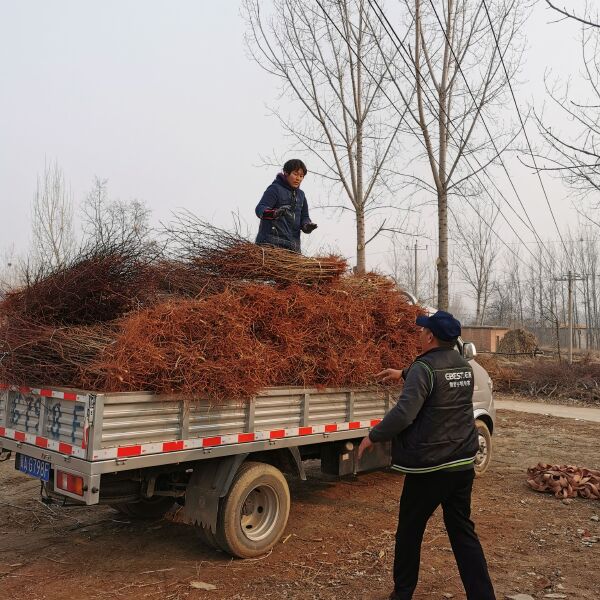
pixel 486 339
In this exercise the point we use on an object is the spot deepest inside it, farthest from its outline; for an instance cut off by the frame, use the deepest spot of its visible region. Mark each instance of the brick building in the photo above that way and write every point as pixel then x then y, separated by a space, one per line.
pixel 486 337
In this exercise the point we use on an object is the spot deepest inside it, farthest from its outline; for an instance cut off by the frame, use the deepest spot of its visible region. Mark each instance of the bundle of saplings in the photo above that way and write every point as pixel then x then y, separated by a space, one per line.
pixel 211 316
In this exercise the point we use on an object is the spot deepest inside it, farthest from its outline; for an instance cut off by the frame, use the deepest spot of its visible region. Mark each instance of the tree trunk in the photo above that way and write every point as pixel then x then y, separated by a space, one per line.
pixel 588 315
pixel 442 261
pixel 594 309
pixel 478 308
pixel 541 296
pixel 557 338
pixel 361 264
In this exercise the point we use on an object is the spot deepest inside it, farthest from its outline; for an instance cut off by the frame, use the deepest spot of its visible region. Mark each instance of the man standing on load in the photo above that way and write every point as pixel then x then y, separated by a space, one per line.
pixel 434 442
pixel 283 210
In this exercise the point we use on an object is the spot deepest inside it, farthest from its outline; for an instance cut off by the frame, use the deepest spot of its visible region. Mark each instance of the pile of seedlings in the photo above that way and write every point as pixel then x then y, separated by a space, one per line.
pixel 211 315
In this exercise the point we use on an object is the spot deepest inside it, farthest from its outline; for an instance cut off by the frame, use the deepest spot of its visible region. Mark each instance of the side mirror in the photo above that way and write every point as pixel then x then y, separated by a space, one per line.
pixel 469 351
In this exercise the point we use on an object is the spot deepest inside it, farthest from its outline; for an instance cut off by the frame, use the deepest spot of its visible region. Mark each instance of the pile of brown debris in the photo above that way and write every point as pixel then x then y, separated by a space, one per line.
pixel 565 481
pixel 213 316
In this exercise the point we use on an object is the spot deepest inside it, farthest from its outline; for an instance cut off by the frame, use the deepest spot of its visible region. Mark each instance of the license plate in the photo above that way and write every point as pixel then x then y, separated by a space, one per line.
pixel 40 469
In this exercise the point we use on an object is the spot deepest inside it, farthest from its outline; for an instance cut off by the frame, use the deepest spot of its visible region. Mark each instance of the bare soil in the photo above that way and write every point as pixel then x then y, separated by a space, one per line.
pixel 339 540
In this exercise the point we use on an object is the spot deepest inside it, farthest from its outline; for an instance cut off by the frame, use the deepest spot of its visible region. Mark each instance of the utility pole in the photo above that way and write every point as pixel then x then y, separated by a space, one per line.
pixel 416 250
pixel 570 278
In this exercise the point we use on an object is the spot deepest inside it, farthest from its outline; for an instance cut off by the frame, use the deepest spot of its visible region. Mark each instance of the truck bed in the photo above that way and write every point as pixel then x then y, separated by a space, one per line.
pixel 140 429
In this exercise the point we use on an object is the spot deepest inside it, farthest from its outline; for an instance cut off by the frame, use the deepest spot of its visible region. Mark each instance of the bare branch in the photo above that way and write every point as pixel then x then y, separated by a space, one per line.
pixel 52 219
pixel 572 15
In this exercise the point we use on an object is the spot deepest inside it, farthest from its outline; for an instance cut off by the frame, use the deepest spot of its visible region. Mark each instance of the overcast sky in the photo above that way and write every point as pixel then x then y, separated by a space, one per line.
pixel 161 99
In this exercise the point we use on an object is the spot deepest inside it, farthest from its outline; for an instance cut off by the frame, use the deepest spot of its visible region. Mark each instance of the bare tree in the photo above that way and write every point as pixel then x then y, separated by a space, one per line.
pixel 9 269
pixel 573 154
pixel 52 219
pixel 572 15
pixel 327 55
pixel 457 307
pixel 401 267
pixel 113 221
pixel 464 55
pixel 478 249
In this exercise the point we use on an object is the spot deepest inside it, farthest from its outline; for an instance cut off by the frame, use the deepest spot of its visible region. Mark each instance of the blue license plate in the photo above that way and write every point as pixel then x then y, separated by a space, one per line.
pixel 35 467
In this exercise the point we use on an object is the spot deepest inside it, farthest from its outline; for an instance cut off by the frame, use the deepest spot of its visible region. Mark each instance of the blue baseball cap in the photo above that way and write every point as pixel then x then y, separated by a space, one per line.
pixel 442 324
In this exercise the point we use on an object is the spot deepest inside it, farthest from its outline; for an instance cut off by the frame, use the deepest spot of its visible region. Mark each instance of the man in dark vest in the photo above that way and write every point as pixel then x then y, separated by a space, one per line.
pixel 283 209
pixel 434 442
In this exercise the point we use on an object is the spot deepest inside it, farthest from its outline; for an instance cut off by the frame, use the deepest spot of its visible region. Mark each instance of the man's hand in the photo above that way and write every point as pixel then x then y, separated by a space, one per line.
pixel 389 375
pixel 365 445
pixel 309 227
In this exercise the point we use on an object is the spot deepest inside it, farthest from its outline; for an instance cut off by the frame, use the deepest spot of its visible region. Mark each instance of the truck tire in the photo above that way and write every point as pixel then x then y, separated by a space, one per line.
pixel 484 455
pixel 146 508
pixel 208 538
pixel 254 513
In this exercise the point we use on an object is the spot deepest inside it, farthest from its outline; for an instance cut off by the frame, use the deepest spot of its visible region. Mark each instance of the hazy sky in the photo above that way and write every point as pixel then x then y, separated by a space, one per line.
pixel 160 98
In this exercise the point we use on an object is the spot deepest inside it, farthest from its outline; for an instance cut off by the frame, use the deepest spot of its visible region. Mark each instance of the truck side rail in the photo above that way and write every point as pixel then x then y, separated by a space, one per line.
pixel 125 431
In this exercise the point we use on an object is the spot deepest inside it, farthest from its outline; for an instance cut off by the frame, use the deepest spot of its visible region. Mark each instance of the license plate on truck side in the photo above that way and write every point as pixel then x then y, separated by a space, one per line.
pixel 40 469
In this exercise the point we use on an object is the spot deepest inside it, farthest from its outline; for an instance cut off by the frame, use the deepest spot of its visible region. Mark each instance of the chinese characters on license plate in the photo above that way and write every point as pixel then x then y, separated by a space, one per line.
pixel 33 466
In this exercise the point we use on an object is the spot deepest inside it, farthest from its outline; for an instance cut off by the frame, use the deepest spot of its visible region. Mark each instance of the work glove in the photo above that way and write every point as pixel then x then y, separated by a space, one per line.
pixel 309 227
pixel 274 213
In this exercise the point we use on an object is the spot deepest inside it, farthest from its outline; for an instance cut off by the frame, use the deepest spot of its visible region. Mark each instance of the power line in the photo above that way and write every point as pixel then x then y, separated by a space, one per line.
pixel 523 126
pixel 380 13
pixel 403 118
pixel 482 117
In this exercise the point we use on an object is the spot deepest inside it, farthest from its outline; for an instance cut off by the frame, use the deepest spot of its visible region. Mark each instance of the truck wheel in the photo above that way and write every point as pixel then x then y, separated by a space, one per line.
pixel 208 538
pixel 484 455
pixel 147 508
pixel 255 511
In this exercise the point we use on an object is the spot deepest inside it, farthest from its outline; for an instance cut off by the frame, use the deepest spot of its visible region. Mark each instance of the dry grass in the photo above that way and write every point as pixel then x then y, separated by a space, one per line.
pixel 543 377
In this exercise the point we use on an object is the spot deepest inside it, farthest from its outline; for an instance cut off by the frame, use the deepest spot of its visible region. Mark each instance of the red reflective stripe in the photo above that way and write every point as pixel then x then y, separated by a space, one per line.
pixel 212 441
pixel 305 430
pixel 245 437
pixel 173 446
pixel 330 428
pixel 354 425
pixel 24 390
pixel 70 396
pixel 65 448
pixel 129 451
pixel 40 441
pixel 374 422
pixel 46 393
pixel 278 433
pixel 4 386
pixel 2 431
pixel 19 436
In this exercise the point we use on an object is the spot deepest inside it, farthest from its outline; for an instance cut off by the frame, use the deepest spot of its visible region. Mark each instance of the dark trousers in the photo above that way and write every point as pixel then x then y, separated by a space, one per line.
pixel 421 495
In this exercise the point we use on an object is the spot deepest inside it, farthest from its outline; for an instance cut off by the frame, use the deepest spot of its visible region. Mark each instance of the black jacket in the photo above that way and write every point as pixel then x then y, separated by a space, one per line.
pixel 283 232
pixel 432 426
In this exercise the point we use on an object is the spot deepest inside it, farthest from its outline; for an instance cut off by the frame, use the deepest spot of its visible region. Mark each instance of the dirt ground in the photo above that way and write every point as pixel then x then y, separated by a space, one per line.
pixel 338 543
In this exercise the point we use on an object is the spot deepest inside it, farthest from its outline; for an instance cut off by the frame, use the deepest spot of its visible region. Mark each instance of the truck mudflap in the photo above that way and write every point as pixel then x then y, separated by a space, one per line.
pixel 209 483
